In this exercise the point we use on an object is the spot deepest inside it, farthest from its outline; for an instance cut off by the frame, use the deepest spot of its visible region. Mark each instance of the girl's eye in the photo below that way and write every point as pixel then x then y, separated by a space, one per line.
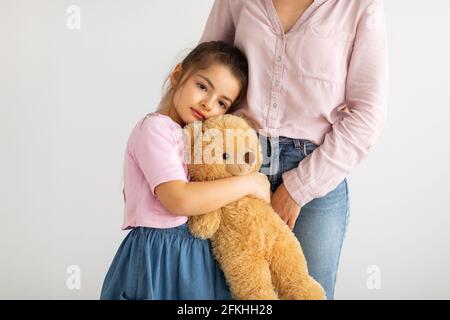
pixel 201 86
pixel 222 104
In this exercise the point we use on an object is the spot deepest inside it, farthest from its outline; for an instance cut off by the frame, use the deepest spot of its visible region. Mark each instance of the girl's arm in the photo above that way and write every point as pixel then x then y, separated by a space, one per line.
pixel 196 198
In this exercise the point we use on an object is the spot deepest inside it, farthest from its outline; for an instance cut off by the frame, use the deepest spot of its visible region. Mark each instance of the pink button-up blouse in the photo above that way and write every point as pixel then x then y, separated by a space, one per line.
pixel 299 81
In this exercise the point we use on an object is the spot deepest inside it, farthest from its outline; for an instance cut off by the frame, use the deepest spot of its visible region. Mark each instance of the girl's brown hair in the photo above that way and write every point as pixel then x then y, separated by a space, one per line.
pixel 204 55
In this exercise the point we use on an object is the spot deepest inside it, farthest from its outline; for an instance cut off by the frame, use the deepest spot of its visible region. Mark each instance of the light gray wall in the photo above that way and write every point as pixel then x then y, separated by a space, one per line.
pixel 69 98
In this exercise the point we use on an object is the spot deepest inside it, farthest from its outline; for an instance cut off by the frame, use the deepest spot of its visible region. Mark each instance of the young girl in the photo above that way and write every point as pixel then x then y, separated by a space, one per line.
pixel 159 258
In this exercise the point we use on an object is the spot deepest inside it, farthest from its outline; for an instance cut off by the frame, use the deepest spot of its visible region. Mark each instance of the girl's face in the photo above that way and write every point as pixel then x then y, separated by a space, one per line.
pixel 206 93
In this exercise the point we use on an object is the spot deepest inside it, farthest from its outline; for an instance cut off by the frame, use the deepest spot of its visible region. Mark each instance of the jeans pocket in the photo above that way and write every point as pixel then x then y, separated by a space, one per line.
pixel 309 148
pixel 305 147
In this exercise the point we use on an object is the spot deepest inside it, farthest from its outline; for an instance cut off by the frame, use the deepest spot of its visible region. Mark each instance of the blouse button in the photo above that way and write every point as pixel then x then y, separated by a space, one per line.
pixel 279 59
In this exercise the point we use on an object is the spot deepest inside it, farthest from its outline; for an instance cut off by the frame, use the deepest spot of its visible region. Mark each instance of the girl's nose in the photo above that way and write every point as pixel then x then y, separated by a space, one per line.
pixel 205 105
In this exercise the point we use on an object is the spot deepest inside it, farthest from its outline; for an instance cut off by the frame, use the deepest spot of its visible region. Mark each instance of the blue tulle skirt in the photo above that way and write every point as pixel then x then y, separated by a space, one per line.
pixel 164 264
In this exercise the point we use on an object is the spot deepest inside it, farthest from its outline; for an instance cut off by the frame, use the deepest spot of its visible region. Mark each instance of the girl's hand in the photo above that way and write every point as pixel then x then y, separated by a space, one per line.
pixel 285 206
pixel 260 186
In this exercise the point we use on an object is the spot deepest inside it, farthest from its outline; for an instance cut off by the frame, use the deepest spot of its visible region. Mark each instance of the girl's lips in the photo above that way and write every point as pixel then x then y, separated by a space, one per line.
pixel 198 115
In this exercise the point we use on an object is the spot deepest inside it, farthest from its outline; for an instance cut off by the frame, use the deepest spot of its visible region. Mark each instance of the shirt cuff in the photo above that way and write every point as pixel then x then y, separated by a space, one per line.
pixel 298 191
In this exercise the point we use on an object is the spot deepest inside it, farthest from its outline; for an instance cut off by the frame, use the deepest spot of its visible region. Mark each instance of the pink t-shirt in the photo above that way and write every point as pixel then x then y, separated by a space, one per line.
pixel 154 155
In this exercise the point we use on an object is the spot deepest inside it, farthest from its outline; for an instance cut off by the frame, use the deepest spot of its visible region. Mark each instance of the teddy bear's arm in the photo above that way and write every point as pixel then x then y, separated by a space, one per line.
pixel 204 226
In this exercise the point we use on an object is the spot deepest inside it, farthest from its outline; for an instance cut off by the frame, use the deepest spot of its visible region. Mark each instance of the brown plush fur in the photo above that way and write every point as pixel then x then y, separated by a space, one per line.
pixel 259 255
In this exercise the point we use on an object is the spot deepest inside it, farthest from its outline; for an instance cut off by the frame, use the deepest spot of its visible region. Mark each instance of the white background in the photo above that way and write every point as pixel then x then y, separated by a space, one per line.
pixel 69 99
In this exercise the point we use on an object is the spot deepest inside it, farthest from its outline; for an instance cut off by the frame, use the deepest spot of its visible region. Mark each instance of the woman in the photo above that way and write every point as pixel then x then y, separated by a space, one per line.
pixel 317 93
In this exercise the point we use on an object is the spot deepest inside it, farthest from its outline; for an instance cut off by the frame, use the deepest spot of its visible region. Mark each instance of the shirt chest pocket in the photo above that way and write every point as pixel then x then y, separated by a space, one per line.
pixel 324 55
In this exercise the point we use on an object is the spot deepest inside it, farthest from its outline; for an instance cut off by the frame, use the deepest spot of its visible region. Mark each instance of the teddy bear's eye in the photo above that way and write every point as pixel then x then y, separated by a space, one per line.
pixel 226 156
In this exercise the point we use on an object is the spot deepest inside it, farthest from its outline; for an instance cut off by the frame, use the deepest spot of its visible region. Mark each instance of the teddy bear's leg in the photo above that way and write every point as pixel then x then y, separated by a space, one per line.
pixel 290 272
pixel 248 277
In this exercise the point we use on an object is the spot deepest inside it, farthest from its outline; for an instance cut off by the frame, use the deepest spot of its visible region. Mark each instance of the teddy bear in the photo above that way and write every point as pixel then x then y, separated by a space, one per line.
pixel 260 256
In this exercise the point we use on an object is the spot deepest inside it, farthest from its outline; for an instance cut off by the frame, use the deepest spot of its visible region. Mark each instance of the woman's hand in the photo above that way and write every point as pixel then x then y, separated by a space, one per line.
pixel 259 186
pixel 285 206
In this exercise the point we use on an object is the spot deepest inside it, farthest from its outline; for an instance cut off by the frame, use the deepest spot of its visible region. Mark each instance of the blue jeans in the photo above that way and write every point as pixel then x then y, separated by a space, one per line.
pixel 322 224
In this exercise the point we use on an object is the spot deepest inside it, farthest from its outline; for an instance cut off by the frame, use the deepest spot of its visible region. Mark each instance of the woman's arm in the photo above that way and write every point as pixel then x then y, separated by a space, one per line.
pixel 195 198
pixel 220 25
pixel 352 137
